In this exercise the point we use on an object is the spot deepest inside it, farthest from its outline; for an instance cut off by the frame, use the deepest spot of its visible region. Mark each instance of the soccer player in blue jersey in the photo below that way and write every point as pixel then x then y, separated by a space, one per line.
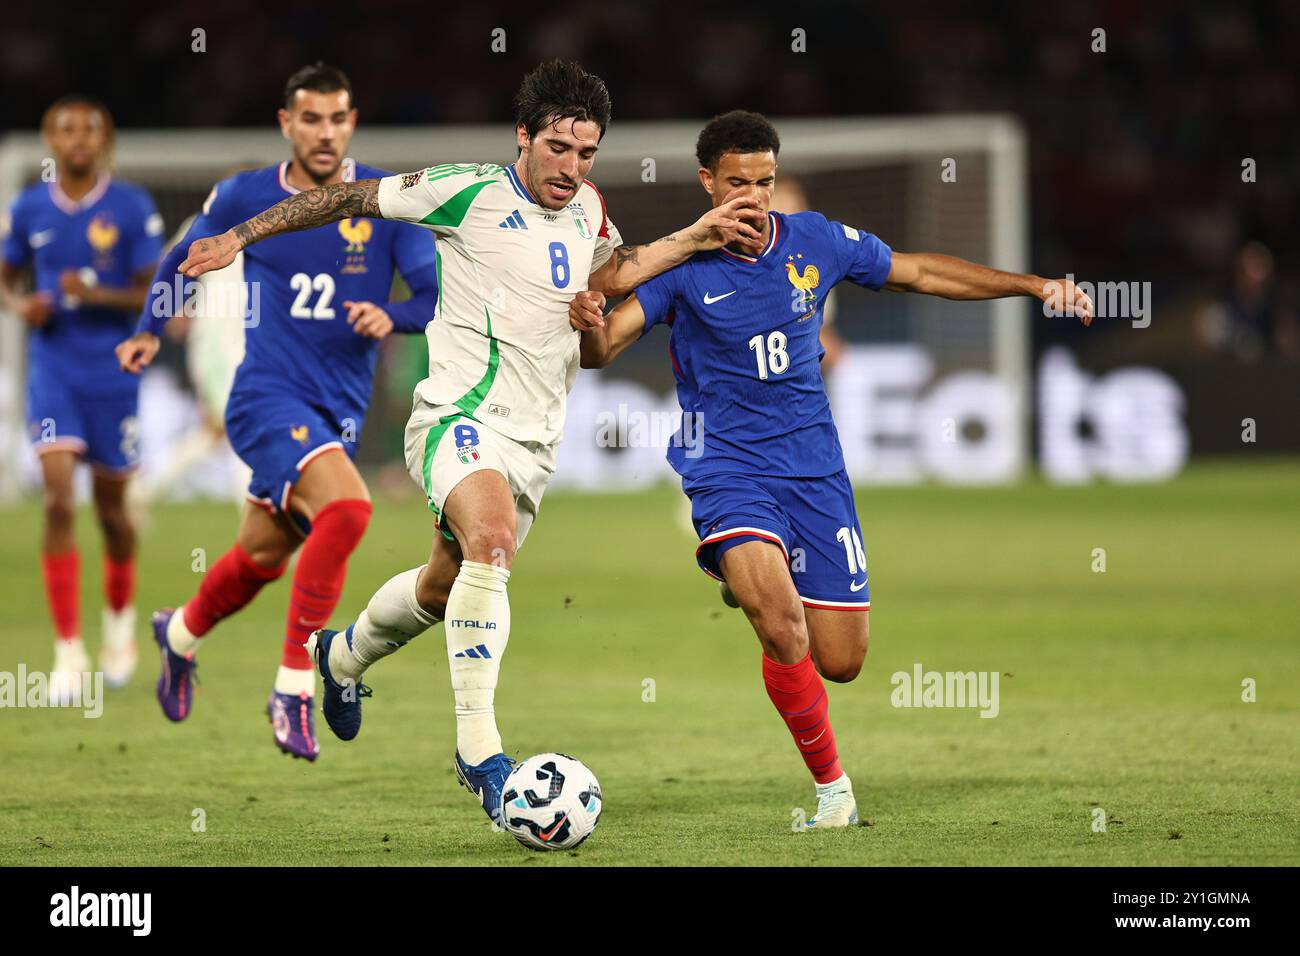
pixel 300 395
pixel 770 498
pixel 91 244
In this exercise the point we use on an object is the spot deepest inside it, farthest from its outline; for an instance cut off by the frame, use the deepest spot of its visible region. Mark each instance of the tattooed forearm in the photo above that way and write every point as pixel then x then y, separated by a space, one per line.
pixel 627 268
pixel 311 208
pixel 632 254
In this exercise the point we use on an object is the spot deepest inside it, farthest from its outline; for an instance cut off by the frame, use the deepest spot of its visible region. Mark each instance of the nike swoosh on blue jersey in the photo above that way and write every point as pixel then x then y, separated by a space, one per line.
pixel 709 300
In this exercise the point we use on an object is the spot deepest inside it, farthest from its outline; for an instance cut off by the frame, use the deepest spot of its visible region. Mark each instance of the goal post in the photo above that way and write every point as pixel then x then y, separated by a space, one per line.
pixel 948 183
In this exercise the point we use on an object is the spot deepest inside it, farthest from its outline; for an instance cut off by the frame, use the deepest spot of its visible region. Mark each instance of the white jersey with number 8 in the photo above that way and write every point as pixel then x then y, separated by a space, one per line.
pixel 500 346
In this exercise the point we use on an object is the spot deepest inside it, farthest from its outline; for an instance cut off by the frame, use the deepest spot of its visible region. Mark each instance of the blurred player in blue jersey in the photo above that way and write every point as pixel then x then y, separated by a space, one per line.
pixel 300 395
pixel 91 245
pixel 758 452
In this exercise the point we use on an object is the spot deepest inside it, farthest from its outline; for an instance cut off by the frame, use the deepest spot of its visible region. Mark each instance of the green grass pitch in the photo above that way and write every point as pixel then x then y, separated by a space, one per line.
pixel 1119 690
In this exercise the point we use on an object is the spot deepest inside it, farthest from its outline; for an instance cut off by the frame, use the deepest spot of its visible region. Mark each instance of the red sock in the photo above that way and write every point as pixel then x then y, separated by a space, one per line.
pixel 318 580
pixel 61 591
pixel 229 585
pixel 119 582
pixel 800 698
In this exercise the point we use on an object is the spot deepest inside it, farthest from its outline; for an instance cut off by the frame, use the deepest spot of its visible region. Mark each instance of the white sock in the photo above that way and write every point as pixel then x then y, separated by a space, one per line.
pixel 118 629
pixel 392 618
pixel 290 680
pixel 478 627
pixel 179 638
pixel 70 655
pixel 842 782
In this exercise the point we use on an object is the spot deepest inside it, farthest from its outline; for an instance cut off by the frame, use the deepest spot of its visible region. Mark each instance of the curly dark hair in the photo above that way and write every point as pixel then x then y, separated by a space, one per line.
pixel 318 77
pixel 560 89
pixel 739 131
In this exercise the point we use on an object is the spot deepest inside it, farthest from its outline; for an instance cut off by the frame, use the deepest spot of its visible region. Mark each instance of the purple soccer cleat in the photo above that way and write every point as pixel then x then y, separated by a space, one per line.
pixel 176 682
pixel 294 726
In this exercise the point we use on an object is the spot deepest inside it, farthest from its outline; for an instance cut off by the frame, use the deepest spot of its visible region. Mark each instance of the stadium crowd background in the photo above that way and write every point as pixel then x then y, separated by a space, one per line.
pixel 1138 179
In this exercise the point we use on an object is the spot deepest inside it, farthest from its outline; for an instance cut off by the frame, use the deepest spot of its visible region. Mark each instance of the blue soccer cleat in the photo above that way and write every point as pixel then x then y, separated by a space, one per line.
pixel 175 689
pixel 341 704
pixel 294 726
pixel 486 781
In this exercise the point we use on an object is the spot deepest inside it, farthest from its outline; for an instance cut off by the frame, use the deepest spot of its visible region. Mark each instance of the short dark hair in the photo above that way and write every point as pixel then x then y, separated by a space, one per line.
pixel 83 101
pixel 319 77
pixel 559 89
pixel 739 131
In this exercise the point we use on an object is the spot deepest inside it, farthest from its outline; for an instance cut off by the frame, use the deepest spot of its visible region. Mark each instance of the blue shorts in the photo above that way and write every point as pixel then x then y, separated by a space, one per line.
pixel 813 520
pixel 277 436
pixel 104 429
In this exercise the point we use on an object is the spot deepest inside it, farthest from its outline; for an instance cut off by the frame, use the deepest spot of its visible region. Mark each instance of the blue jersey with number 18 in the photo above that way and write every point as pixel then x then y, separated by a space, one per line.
pixel 745 348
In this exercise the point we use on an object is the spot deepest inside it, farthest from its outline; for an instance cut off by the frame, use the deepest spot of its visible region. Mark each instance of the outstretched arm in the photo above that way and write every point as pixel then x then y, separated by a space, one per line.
pixel 951 278
pixel 629 266
pixel 306 210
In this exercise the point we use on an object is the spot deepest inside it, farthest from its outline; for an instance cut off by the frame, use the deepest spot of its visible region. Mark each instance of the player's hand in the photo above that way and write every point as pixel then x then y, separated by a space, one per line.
pixel 137 352
pixel 587 311
pixel 1064 296
pixel 35 309
pixel 206 255
pixel 733 222
pixel 71 284
pixel 368 319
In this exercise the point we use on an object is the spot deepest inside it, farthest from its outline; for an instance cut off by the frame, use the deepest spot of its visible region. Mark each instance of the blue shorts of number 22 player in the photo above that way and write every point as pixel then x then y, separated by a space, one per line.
pixel 763 459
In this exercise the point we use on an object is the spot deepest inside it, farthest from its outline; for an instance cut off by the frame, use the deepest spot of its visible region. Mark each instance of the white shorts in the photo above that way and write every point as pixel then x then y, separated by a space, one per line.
pixel 444 446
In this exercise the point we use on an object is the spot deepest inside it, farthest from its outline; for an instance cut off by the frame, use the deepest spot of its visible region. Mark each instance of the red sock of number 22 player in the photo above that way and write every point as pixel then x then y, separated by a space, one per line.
pixel 799 696
pixel 318 579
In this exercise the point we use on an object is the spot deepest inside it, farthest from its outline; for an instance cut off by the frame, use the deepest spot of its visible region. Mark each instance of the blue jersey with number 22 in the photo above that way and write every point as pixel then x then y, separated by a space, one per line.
pixel 297 338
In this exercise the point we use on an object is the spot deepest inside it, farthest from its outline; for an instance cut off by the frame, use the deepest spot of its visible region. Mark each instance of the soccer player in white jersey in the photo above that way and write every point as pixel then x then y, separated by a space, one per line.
pixel 515 244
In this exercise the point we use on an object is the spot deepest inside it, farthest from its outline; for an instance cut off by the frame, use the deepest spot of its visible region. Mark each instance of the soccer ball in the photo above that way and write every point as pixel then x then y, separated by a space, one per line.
pixel 551 802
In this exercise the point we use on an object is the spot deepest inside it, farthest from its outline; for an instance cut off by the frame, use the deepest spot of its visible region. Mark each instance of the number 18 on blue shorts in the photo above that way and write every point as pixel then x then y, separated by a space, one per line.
pixel 814 521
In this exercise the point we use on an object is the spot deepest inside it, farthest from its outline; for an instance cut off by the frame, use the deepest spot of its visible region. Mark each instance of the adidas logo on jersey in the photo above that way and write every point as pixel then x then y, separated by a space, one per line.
pixel 476 652
pixel 514 221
